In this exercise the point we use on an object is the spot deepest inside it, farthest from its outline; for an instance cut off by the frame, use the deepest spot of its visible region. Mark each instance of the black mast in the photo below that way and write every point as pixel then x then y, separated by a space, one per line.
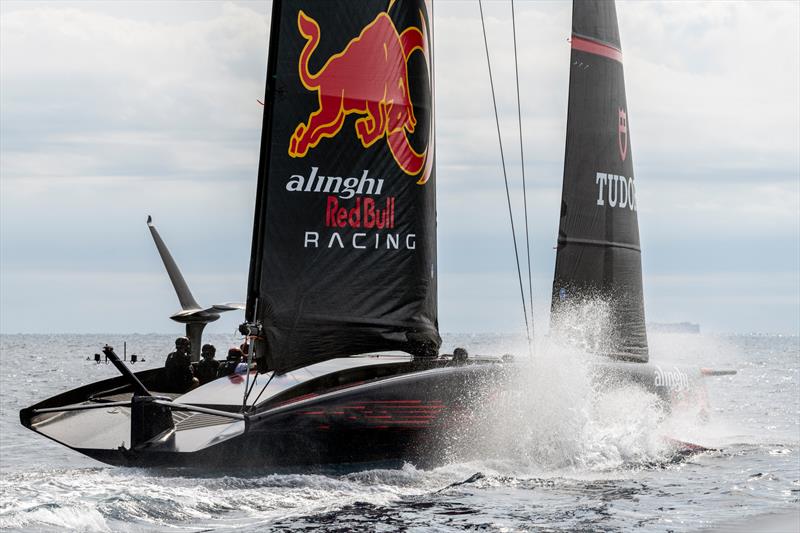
pixel 256 251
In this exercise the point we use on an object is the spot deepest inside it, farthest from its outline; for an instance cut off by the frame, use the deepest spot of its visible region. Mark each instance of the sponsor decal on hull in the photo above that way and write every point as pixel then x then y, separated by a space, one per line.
pixel 675 379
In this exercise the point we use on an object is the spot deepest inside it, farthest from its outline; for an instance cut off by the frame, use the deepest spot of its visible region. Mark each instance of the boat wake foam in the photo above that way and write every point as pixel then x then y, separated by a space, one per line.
pixel 552 415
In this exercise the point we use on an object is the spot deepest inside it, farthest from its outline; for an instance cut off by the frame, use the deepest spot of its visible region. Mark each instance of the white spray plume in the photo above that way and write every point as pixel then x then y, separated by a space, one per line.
pixel 551 413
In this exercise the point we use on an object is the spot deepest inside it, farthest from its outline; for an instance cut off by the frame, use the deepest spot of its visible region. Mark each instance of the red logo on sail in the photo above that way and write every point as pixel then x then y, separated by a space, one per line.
pixel 623 134
pixel 368 78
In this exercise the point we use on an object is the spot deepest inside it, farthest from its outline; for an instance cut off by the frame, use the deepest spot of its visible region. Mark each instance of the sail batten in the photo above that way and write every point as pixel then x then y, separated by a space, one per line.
pixel 598 261
pixel 344 242
pixel 597 242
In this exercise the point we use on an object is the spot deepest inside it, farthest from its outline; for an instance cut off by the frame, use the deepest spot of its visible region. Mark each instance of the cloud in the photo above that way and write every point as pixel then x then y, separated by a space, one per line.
pixel 112 111
pixel 716 86
pixel 86 93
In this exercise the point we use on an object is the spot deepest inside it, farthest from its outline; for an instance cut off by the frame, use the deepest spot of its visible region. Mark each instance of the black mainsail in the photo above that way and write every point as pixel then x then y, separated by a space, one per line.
pixel 598 239
pixel 344 241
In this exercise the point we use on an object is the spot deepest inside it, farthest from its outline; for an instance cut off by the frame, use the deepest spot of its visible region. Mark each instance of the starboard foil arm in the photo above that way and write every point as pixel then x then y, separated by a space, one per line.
pixel 718 372
pixel 683 448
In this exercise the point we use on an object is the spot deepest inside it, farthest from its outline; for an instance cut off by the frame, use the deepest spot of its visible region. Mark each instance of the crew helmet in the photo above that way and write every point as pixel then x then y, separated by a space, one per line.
pixel 235 354
pixel 182 342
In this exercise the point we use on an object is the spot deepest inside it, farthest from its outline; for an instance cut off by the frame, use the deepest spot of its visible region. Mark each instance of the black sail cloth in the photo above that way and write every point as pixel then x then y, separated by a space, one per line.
pixel 598 256
pixel 344 241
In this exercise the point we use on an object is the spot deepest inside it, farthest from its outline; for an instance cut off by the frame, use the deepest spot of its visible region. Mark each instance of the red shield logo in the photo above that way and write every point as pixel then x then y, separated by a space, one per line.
pixel 623 134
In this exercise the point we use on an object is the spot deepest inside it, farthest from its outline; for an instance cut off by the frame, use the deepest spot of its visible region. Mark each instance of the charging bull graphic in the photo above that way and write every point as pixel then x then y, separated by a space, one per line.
pixel 368 78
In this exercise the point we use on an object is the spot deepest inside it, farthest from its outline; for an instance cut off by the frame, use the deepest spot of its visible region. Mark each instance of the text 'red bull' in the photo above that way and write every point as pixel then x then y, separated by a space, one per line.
pixel 365 214
pixel 369 78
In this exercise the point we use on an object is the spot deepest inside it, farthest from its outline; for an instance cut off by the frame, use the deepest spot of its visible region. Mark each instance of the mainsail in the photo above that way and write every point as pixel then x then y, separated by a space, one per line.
pixel 344 241
pixel 599 258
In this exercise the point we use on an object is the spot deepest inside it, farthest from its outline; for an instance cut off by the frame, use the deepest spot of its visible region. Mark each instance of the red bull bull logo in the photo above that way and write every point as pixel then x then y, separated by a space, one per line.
pixel 369 78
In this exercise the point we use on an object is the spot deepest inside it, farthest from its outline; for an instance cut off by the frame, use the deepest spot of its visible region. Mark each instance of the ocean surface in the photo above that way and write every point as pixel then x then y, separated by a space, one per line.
pixel 561 456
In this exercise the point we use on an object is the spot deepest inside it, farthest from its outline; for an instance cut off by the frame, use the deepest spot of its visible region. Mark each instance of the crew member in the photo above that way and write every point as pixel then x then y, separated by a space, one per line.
pixel 208 367
pixel 178 368
pixel 235 356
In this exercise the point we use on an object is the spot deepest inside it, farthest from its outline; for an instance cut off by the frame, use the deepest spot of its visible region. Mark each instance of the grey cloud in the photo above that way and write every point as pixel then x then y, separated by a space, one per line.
pixel 115 108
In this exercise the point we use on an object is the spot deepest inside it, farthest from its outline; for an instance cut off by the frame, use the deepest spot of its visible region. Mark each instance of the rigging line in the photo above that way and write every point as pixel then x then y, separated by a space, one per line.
pixel 522 166
pixel 247 387
pixel 252 386
pixel 255 402
pixel 505 177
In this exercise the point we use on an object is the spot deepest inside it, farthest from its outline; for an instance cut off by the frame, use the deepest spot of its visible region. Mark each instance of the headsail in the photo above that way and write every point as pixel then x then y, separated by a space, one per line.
pixel 598 238
pixel 344 240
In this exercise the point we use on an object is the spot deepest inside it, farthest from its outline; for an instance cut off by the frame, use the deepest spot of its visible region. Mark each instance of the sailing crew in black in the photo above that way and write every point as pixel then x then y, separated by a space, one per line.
pixel 178 368
pixel 235 356
pixel 208 367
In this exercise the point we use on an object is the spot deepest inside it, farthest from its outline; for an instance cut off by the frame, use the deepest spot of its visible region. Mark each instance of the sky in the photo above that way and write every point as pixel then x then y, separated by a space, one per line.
pixel 110 112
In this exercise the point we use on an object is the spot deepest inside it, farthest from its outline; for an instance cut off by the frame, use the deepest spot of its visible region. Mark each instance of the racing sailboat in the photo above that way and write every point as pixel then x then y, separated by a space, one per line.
pixel 341 305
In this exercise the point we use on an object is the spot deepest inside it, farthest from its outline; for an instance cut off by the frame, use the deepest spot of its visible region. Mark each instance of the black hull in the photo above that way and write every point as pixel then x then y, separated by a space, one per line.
pixel 408 416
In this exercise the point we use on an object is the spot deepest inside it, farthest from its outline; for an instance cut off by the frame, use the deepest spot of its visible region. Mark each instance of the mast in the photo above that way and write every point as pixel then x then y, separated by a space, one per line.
pixel 343 258
pixel 599 258
pixel 256 250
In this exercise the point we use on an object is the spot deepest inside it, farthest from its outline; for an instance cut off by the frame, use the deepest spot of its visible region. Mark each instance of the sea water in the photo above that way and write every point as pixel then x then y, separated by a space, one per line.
pixel 551 453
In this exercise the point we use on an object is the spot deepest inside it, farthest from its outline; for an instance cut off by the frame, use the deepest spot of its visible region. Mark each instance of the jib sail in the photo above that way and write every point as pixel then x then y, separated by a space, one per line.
pixel 344 241
pixel 598 257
